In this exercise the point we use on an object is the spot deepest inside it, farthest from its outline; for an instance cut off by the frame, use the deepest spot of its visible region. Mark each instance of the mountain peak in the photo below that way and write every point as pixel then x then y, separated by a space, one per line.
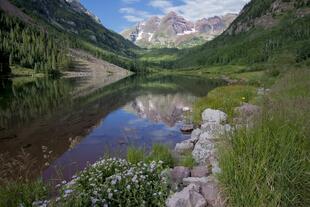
pixel 173 30
pixel 171 13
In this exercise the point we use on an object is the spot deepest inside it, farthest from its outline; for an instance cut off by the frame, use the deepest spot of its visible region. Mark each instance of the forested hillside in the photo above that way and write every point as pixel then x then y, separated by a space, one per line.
pixel 39 35
pixel 31 48
pixel 269 31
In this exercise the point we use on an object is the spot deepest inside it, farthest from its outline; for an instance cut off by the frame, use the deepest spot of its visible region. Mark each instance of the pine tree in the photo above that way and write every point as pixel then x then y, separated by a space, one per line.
pixel 11 59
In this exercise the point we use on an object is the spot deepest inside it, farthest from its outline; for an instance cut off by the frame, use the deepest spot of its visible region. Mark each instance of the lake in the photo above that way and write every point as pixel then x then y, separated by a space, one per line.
pixel 59 126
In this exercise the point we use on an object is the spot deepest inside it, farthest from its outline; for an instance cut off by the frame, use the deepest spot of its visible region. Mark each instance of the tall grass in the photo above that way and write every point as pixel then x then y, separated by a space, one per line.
pixel 159 152
pixel 224 98
pixel 187 160
pixel 135 155
pixel 268 165
pixel 17 193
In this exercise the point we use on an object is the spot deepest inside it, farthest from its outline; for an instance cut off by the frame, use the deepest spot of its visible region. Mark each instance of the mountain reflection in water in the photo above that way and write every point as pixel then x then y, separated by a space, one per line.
pixel 138 110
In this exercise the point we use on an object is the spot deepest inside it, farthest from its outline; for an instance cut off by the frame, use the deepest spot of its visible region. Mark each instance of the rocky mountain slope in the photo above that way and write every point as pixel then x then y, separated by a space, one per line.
pixel 77 6
pixel 173 30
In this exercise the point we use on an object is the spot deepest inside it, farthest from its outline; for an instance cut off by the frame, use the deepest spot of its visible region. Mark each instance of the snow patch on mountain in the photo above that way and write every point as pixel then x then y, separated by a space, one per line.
pixel 173 30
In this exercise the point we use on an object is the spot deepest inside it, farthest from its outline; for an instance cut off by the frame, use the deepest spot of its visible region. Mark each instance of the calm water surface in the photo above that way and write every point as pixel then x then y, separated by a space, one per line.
pixel 64 128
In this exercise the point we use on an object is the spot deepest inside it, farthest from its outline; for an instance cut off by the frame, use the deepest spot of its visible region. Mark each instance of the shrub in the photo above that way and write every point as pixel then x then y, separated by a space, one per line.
pixel 116 182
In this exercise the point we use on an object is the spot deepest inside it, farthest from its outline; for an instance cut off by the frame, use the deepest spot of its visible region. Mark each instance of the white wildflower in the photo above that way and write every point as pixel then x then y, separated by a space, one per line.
pixel 110 195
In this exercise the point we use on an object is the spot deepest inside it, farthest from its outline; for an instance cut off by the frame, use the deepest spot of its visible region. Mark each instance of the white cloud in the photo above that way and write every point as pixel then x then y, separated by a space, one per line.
pixel 134 15
pixel 161 4
pixel 198 9
pixel 190 9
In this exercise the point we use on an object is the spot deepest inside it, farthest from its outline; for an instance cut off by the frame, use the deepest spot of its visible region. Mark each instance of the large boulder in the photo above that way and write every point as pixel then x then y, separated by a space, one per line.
pixel 195 135
pixel 209 188
pixel 195 180
pixel 184 147
pixel 216 130
pixel 179 173
pixel 211 192
pixel 214 116
pixel 200 171
pixel 203 149
pixel 188 197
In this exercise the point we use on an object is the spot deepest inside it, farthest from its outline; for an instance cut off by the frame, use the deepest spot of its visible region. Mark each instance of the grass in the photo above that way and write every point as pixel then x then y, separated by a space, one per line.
pixel 187 160
pixel 268 165
pixel 22 193
pixel 135 155
pixel 224 98
pixel 21 71
pixel 159 152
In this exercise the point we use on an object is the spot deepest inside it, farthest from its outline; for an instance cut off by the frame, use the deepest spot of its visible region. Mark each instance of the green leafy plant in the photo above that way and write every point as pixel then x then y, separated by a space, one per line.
pixel 116 182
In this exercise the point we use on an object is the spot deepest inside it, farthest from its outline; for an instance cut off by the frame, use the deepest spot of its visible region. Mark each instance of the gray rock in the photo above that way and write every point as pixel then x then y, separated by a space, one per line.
pixel 216 130
pixel 200 171
pixel 206 135
pixel 246 114
pixel 188 197
pixel 195 180
pixel 202 151
pixel 179 173
pixel 195 135
pixel 263 91
pixel 211 192
pixel 183 147
pixel 214 116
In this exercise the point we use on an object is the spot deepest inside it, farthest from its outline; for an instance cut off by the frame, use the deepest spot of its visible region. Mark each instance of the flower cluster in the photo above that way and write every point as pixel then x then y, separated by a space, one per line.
pixel 116 182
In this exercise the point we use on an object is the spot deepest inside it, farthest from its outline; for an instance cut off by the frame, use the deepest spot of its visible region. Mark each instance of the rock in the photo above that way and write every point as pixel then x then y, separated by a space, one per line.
pixel 262 91
pixel 195 180
pixel 187 128
pixel 247 109
pixel 203 149
pixel 179 173
pixel 246 114
pixel 216 130
pixel 213 160
pixel 206 136
pixel 214 116
pixel 200 171
pixel 195 135
pixel 188 197
pixel 183 147
pixel 211 192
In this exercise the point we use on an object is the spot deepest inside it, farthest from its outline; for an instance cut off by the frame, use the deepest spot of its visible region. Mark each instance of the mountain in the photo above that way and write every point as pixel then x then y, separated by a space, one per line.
pixel 173 30
pixel 269 31
pixel 77 6
pixel 72 17
pixel 56 27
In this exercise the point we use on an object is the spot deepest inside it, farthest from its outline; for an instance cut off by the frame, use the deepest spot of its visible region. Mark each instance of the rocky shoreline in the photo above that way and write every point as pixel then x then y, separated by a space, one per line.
pixel 199 186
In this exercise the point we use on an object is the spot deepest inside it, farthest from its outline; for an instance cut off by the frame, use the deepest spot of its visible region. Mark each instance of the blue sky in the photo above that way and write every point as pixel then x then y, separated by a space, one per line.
pixel 120 14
